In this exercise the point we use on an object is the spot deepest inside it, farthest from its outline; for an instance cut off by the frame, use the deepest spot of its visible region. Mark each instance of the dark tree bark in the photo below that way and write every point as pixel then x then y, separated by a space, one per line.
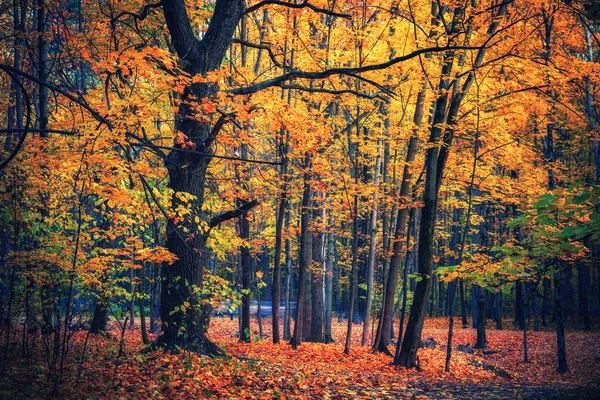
pixel 583 275
pixel 545 300
pixel 186 327
pixel 276 285
pixel 412 339
pixel 305 254
pixel 288 279
pixel 499 311
pixel 481 342
pixel 100 318
pixel 384 328
pixel 463 304
pixel 329 285
pixel 519 305
pixel 245 269
pixel 353 284
pixel 318 282
pixel 366 333
pixel 560 325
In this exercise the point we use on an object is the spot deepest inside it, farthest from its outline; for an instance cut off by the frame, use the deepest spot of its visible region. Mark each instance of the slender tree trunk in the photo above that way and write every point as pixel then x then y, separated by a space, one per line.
pixel 329 284
pixel 481 342
pixel 545 300
pixel 366 333
pixel 288 280
pixel 353 286
pixel 560 325
pixel 583 275
pixel 383 338
pixel 132 287
pixel 318 282
pixel 499 311
pixel 276 285
pixel 142 306
pixel 412 337
pixel 519 304
pixel 305 254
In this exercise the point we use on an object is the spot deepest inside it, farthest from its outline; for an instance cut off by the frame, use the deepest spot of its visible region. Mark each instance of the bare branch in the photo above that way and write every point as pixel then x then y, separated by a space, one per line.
pixel 226 216
pixel 140 16
pixel 37 130
pixel 330 91
pixel 346 71
pixel 259 46
pixel 202 154
pixel 304 4
pixel 70 96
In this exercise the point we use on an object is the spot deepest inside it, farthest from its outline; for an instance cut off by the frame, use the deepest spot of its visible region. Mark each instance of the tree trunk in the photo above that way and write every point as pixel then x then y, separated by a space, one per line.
pixel 384 327
pixel 100 319
pixel 186 326
pixel 245 269
pixel 288 280
pixel 132 288
pixel 545 300
pixel 499 311
pixel 318 282
pixel 560 325
pixel 583 276
pixel 329 285
pixel 305 254
pixel 519 305
pixel 276 284
pixel 353 284
pixel 366 333
pixel 412 337
pixel 481 342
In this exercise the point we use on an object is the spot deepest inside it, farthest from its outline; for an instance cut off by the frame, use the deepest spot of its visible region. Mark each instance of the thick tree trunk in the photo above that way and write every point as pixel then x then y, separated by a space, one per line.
pixel 100 318
pixel 185 318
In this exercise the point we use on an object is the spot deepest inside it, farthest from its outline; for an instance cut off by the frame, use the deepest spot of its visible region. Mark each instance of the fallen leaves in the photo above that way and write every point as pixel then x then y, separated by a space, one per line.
pixel 267 371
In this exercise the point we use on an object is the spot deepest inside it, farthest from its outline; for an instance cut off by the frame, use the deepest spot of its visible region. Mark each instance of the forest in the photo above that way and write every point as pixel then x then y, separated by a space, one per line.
pixel 300 199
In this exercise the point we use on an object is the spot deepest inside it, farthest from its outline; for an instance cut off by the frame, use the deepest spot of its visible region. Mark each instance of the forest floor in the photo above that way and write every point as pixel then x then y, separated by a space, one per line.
pixel 263 370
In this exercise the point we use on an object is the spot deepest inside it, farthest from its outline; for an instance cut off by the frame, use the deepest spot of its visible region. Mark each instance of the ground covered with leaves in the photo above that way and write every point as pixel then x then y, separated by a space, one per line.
pixel 263 370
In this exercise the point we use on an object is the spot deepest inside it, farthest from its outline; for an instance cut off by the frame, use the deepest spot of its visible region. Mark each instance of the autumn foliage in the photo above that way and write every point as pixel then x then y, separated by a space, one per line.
pixel 371 173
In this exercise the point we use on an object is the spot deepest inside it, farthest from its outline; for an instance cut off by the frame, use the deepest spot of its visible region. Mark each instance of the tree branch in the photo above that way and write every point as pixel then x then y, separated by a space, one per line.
pixel 329 91
pixel 259 46
pixel 352 72
pixel 201 154
pixel 65 93
pixel 244 208
pixel 140 16
pixel 304 4
pixel 37 130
